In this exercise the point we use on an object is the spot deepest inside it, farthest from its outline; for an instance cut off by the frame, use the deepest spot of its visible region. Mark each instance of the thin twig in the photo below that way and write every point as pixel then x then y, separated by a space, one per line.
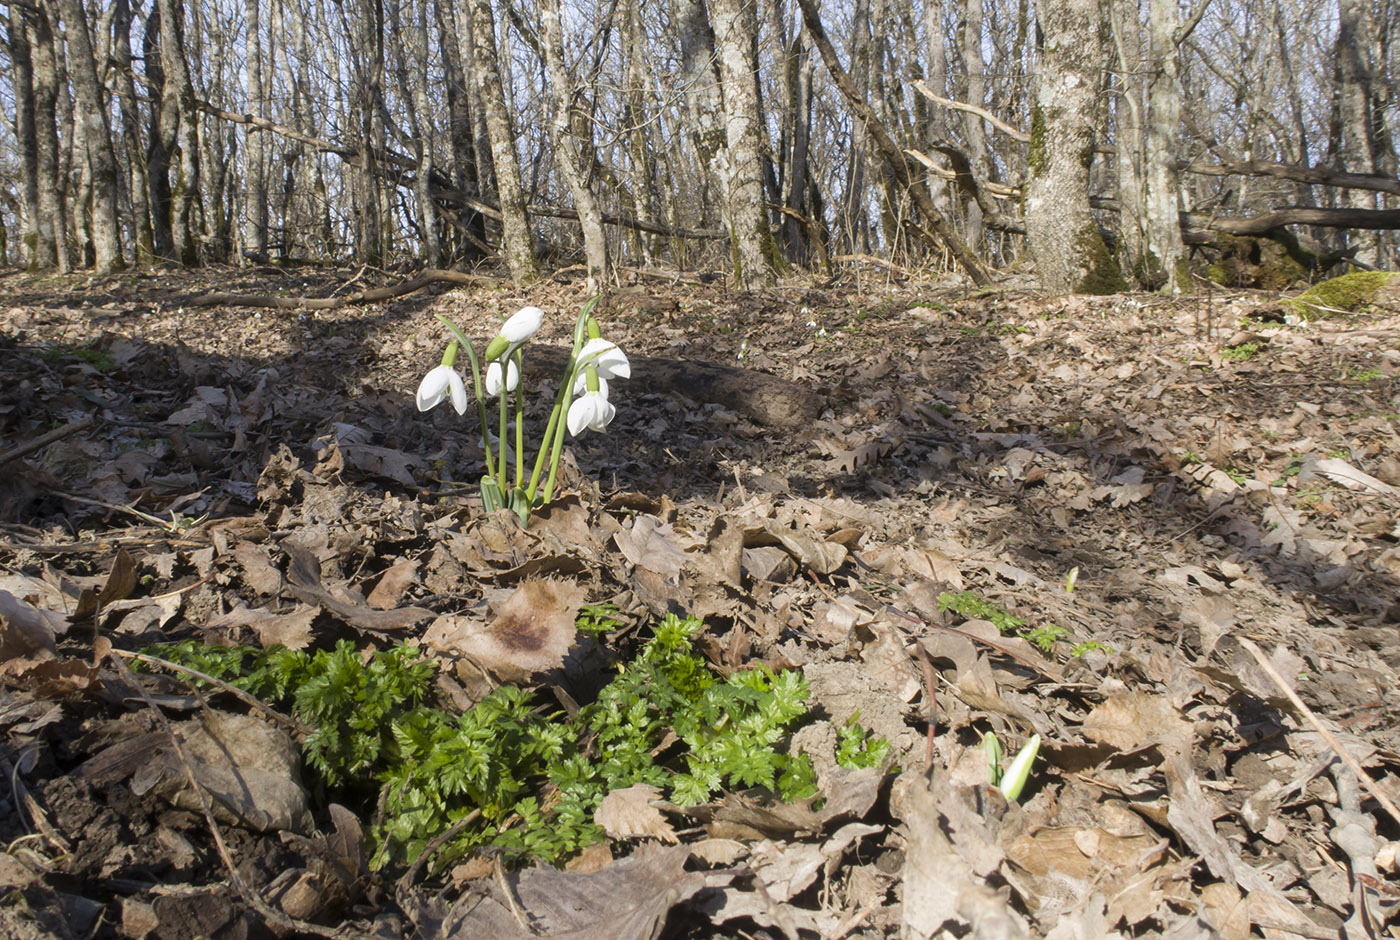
pixel 437 842
pixel 45 440
pixel 246 698
pixel 1362 777
pixel 250 897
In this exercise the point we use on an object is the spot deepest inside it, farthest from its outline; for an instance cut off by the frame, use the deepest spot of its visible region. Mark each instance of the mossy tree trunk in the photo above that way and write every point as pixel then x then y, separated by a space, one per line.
pixel 22 77
pixel 254 178
pixel 1070 254
pixel 180 99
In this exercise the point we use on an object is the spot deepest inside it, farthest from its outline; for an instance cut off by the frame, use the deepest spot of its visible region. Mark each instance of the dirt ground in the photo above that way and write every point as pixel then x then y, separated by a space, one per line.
pixel 1157 488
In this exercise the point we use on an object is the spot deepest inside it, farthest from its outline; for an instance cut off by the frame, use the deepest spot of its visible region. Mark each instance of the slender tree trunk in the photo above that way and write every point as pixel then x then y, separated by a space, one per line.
pixel 566 131
pixel 1070 253
pixel 137 183
pixel 254 171
pixel 461 135
pixel 1164 245
pixel 518 245
pixel 53 210
pixel 636 119
pixel 736 30
pixel 87 91
pixel 972 127
pixel 180 100
pixel 1357 149
pixel 27 135
pixel 1128 108
pixel 703 102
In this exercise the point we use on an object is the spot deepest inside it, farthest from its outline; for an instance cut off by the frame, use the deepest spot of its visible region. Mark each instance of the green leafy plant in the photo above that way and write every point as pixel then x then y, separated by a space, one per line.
pixel 1241 353
pixel 972 605
pixel 508 774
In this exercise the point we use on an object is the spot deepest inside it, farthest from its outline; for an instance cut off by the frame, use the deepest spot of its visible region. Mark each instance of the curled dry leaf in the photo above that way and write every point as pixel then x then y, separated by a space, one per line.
pixel 532 631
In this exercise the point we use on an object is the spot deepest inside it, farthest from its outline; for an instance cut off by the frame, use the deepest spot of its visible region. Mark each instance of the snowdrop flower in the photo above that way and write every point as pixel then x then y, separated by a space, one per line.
pixel 581 384
pixel 438 385
pixel 522 325
pixel 493 378
pixel 590 410
pixel 604 356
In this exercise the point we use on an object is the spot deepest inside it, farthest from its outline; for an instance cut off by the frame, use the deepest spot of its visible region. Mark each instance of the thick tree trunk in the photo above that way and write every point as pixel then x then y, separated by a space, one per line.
pixel 470 224
pixel 1355 147
pixel 702 96
pixel 1163 197
pixel 567 131
pixel 92 111
pixel 519 247
pixel 736 29
pixel 1070 254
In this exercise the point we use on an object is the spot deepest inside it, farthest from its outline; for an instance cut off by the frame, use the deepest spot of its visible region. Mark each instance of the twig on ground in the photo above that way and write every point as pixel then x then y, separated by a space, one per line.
pixel 45 440
pixel 246 698
pixel 103 650
pixel 1362 777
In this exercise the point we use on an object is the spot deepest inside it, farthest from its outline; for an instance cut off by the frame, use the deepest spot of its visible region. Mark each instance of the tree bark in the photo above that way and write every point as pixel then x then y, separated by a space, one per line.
pixel 567 130
pixel 746 215
pixel 179 98
pixel 92 111
pixel 137 184
pixel 254 178
pixel 518 240
pixel 1070 255
pixel 26 134
pixel 1163 195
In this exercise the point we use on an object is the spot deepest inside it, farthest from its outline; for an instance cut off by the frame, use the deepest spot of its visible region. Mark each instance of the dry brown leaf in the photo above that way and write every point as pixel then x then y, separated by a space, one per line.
pixel 531 632
pixel 818 555
pixel 262 576
pixel 1135 719
pixel 392 585
pixel 26 635
pixel 291 629
pixel 304 583
pixel 651 544
pixel 628 813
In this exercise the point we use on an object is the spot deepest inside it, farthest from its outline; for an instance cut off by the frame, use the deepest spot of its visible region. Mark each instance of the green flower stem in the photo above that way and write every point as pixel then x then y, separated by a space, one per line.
pixel 519 419
pixel 505 418
pixel 553 442
pixel 476 386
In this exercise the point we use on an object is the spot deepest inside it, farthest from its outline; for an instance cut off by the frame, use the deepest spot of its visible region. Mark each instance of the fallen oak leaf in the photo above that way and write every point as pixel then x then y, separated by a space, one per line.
pixel 304 583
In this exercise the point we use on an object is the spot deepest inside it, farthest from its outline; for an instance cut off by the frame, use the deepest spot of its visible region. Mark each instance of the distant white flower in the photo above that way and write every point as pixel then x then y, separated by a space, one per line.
pixel 604 355
pixel 438 385
pixel 493 378
pixel 590 410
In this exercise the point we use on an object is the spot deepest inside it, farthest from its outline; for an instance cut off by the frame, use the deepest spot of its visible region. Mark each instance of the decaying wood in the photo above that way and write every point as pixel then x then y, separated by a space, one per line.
pixel 372 295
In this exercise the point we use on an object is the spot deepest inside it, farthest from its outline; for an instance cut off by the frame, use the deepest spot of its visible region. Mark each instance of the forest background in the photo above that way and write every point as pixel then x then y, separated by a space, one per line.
pixel 1118 143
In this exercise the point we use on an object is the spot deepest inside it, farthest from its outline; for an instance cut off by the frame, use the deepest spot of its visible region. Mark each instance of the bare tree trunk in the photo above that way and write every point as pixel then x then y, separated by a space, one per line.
pixel 87 91
pixel 736 29
pixel 972 127
pixel 461 135
pixel 254 176
pixel 518 245
pixel 179 98
pixel 1356 147
pixel 1164 247
pixel 1070 253
pixel 797 235
pixel 137 184
pixel 636 119
pixel 27 135
pixel 704 104
pixel 1128 107
pixel 567 130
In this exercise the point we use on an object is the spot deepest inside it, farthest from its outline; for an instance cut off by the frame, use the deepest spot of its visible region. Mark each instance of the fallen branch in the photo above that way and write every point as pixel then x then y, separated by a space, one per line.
pixel 45 440
pixel 371 295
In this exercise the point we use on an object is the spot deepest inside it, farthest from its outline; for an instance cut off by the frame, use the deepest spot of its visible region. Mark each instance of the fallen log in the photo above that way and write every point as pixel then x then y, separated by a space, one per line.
pixel 372 295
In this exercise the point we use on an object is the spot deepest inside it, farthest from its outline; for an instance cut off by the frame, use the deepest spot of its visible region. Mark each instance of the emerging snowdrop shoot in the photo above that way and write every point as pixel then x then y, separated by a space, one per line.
pixel 582 401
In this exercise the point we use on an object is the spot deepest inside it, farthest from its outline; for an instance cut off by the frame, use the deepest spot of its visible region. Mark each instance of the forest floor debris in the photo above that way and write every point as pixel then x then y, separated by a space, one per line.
pixel 1072 517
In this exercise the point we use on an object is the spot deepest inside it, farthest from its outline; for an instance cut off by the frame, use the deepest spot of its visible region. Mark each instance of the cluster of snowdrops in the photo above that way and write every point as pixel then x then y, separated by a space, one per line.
pixel 581 403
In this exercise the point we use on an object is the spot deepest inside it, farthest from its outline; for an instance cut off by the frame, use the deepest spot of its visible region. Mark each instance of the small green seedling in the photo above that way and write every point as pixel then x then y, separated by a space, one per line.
pixel 1241 353
pixel 1013 780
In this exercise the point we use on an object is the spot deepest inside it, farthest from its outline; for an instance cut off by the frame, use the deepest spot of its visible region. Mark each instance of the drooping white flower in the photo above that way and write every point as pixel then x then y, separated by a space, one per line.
pixel 590 410
pixel 604 355
pixel 493 378
pixel 441 383
pixel 581 383
pixel 514 333
pixel 522 324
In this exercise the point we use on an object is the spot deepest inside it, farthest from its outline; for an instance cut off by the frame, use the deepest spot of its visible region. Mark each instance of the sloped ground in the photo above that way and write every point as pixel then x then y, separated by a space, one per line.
pixel 1154 488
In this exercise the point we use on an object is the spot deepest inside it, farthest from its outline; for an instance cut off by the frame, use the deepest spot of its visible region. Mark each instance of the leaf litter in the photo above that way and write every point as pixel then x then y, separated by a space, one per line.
pixel 1137 512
